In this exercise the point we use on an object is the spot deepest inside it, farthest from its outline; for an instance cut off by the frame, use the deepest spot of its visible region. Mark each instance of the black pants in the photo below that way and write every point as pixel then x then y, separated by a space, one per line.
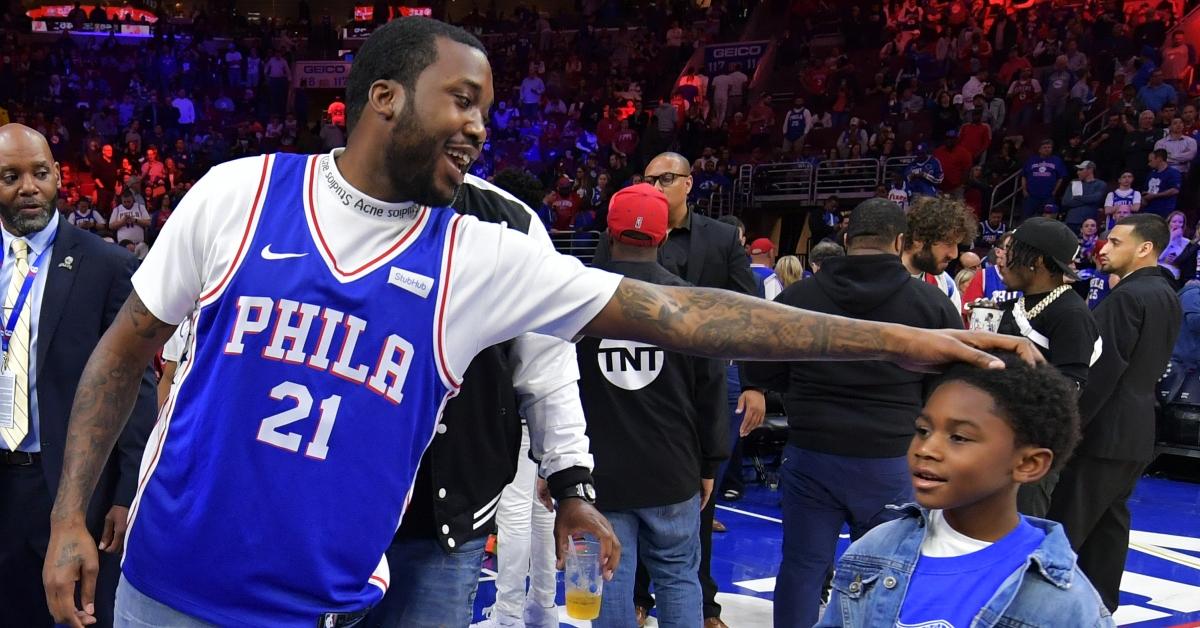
pixel 1090 503
pixel 708 586
pixel 25 503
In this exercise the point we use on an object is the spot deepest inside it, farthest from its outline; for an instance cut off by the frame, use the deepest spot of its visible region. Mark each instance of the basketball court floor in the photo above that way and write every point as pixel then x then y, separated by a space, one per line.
pixel 1161 587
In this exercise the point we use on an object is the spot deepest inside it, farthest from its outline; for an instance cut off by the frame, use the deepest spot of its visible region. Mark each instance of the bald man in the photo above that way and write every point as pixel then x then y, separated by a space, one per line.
pixel 81 274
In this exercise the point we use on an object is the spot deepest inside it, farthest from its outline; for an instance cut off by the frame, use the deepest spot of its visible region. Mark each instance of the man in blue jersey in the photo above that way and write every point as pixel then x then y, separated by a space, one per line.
pixel 374 320
pixel 1162 185
pixel 1041 179
pixel 924 174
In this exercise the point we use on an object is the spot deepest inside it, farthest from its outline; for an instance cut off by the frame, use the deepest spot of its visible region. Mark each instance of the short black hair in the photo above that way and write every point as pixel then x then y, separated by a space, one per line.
pixel 1038 402
pixel 1161 153
pixel 399 51
pixel 876 220
pixel 733 221
pixel 1150 228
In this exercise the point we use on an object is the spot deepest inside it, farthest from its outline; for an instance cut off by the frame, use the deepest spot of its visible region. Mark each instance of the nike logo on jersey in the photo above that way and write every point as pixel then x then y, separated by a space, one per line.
pixel 419 285
pixel 267 253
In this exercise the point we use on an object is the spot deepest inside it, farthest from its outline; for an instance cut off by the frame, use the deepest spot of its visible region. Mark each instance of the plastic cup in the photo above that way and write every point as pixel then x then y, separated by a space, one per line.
pixel 584 580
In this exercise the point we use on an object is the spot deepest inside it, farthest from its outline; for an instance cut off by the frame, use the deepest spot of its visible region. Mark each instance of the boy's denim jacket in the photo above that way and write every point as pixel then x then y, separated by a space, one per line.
pixel 1048 590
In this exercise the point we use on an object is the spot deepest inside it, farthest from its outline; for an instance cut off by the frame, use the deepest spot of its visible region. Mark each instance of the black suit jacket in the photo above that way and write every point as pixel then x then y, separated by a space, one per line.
pixel 81 299
pixel 716 257
pixel 1139 322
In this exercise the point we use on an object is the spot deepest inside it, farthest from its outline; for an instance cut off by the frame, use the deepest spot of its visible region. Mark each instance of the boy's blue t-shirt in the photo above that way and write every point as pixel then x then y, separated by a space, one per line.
pixel 949 592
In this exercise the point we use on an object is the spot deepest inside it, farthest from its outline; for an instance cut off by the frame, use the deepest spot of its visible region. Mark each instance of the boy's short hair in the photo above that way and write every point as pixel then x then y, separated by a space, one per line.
pixel 1038 402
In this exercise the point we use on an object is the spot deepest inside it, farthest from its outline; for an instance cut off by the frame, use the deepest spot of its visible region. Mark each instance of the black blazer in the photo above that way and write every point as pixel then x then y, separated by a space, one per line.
pixel 1139 322
pixel 716 257
pixel 81 299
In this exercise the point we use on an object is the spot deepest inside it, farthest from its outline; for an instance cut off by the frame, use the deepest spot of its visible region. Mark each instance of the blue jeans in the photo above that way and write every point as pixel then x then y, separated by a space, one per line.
pixel 437 588
pixel 135 609
pixel 666 539
pixel 820 493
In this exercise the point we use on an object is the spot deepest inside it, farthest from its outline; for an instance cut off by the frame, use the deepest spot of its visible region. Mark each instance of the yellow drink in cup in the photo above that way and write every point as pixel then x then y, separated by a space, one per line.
pixel 583 605
pixel 583 578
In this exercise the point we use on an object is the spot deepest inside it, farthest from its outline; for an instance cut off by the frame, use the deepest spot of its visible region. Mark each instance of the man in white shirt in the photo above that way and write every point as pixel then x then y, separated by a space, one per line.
pixel 233 65
pixel 129 219
pixel 721 86
pixel 279 79
pixel 737 87
pixel 973 88
pixel 187 110
pixel 383 204
pixel 532 89
pixel 1181 148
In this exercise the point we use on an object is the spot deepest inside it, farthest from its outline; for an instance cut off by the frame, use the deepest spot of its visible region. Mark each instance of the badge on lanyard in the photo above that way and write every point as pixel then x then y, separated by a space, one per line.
pixel 8 379
pixel 8 391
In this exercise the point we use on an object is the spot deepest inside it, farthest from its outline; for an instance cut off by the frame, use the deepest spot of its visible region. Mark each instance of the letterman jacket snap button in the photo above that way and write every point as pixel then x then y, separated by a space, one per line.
pixel 889 583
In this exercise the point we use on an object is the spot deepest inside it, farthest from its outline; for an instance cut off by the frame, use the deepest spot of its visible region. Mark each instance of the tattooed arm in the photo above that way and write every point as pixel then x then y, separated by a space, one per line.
pixel 107 390
pixel 719 323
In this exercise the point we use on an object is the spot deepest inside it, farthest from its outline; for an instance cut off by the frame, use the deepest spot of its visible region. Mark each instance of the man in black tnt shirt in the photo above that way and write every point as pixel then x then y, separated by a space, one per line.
pixel 1139 322
pixel 656 434
pixel 850 422
pixel 1050 314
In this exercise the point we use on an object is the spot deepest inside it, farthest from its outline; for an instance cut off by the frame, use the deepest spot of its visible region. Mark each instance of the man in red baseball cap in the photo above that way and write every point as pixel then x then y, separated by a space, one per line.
pixel 639 395
pixel 762 264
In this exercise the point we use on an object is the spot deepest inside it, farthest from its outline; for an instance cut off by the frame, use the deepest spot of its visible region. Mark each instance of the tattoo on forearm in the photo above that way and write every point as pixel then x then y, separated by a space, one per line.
pixel 107 390
pixel 720 323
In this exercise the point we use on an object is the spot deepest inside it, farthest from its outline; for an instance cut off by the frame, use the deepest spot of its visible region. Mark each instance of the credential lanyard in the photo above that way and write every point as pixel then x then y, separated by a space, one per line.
pixel 15 315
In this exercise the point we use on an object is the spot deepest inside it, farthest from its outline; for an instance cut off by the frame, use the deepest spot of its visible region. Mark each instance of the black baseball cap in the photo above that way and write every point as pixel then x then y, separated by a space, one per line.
pixel 1052 238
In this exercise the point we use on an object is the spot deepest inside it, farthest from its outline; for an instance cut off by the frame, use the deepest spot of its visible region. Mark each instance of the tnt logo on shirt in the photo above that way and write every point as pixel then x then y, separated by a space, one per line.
pixel 630 365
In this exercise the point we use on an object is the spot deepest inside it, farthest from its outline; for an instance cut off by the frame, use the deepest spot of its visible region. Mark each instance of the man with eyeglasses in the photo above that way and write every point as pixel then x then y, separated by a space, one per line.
pixel 709 254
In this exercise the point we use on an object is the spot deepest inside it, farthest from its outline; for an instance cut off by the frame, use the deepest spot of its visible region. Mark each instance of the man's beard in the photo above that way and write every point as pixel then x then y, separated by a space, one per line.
pixel 412 159
pixel 925 262
pixel 22 224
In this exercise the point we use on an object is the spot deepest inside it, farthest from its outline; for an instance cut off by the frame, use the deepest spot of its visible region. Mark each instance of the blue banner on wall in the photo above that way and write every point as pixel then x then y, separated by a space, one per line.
pixel 746 54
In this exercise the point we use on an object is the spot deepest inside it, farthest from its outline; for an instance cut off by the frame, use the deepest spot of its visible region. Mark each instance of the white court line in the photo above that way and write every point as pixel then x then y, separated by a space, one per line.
pixel 749 514
pixel 765 517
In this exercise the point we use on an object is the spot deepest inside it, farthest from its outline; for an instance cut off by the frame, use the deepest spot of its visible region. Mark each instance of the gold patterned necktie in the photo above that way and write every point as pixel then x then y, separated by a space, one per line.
pixel 16 361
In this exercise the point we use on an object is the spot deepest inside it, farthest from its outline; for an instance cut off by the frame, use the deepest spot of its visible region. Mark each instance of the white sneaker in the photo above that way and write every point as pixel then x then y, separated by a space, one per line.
pixel 496 620
pixel 538 616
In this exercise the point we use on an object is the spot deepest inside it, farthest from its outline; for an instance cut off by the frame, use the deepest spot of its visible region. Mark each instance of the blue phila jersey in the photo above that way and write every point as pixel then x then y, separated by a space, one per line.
pixel 1097 285
pixel 989 236
pixel 994 288
pixel 279 469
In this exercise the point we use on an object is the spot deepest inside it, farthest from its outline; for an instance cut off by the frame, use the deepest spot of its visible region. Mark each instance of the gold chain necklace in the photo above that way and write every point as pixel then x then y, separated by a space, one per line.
pixel 1037 309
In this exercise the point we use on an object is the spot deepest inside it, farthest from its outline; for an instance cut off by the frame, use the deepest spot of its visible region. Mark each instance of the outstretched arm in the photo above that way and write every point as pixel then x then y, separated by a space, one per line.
pixel 107 390
pixel 723 324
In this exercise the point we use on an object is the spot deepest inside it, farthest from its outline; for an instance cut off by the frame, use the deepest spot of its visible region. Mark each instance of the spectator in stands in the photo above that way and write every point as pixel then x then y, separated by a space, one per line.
pixel 1180 147
pixel 762 263
pixel 945 115
pixel 956 164
pixel 991 229
pixel 1023 98
pixel 233 66
pixel 1083 197
pixel 1172 255
pixel 995 109
pixel 187 111
pixel 924 173
pixel 898 191
pixel 86 217
pixel 1002 164
pixel 1041 179
pixel 532 89
pixel 1057 84
pixel 975 136
pixel 853 136
pixel 738 85
pixel 797 122
pixel 129 219
pixel 852 418
pixel 1162 185
pixel 1178 59
pixel 1157 93
pixel 1138 143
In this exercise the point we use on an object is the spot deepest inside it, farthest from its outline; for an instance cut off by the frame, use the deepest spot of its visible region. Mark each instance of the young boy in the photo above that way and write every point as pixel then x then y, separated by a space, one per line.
pixel 965 556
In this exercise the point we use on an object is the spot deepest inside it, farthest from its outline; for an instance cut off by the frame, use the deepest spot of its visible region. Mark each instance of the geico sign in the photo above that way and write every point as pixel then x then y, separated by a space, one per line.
pixel 324 69
pixel 740 51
